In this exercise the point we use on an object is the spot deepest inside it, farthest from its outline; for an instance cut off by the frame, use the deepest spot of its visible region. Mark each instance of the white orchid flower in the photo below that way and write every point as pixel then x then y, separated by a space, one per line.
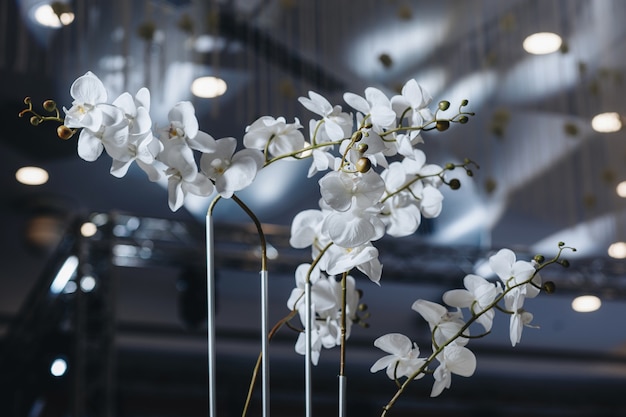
pixel 478 296
pixel 430 199
pixel 89 108
pixel 445 325
pixel 354 227
pixel 412 104
pixel 139 145
pixel 306 228
pixel 403 359
pixel 322 292
pixel 231 171
pixel 326 305
pixel 182 172
pixel 321 160
pixel 184 126
pixel 376 104
pixel 143 152
pixel 336 124
pixel 137 112
pixel 316 344
pixel 178 187
pixel 364 258
pixel 401 215
pixel 520 318
pixel 513 274
pixel 92 143
pixel 340 190
pixel 454 359
pixel 275 135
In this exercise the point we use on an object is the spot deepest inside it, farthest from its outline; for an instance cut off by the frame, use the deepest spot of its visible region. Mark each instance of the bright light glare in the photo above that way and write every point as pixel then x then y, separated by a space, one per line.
pixel 542 43
pixel 64 274
pixel 58 367
pixel 87 283
pixel 45 16
pixel 621 189
pixel 31 175
pixel 88 229
pixel 606 122
pixel 208 87
pixel 586 303
pixel 617 250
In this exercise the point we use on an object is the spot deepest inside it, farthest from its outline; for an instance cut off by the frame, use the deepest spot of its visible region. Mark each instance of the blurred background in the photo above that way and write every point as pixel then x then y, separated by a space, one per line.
pixel 124 334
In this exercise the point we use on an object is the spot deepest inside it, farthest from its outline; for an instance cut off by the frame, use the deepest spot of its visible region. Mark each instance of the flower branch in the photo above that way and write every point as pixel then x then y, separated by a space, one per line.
pixel 518 278
pixel 373 181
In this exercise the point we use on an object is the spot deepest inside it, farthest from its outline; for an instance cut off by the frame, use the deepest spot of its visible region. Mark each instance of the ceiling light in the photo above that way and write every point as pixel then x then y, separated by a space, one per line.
pixel 621 189
pixel 87 283
pixel 617 250
pixel 53 15
pixel 586 303
pixel 88 229
pixel 31 175
pixel 208 87
pixel 58 367
pixel 607 122
pixel 64 275
pixel 542 43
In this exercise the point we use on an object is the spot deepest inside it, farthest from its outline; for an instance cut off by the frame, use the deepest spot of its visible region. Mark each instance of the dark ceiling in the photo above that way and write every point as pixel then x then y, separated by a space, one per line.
pixel 137 344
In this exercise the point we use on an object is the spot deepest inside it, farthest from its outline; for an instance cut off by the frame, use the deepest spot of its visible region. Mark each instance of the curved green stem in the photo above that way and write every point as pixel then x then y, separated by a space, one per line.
pixel 299 153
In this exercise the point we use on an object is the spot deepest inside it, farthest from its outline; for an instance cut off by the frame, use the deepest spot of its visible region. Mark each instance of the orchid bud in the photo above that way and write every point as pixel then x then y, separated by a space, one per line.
pixel 49 105
pixel 455 184
pixel 539 259
pixel 463 119
pixel 34 120
pixel 442 125
pixel 444 105
pixel 549 287
pixel 356 136
pixel 64 132
pixel 464 103
pixel 363 165
pixel 362 148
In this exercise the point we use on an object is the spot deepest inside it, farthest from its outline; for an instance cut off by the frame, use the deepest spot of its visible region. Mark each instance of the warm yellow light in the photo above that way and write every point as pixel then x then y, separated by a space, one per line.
pixel 31 175
pixel 621 189
pixel 208 87
pixel 45 15
pixel 88 229
pixel 586 303
pixel 606 122
pixel 542 43
pixel 617 250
